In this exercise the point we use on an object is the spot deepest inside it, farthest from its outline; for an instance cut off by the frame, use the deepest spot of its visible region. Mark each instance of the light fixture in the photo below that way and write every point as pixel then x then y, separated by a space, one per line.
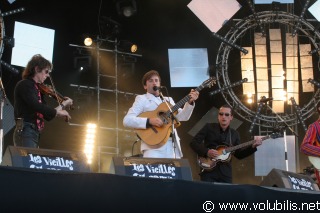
pixel 314 82
pixel 90 141
pixel 298 113
pixel 127 46
pixel 88 41
pixel 229 43
pixel 256 116
pixel 316 50
pixel 9 41
pixel 126 8
pixel 229 86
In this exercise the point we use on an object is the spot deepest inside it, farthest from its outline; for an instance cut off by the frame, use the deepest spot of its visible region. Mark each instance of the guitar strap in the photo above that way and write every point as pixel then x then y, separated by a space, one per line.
pixel 230 142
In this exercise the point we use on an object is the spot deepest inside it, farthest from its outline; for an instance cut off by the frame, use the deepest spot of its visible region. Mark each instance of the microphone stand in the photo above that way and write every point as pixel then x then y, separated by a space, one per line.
pixel 3 98
pixel 173 118
pixel 284 136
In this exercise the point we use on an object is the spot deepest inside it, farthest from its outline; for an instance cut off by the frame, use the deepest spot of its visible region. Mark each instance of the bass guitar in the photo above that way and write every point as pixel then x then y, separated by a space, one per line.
pixel 157 136
pixel 208 164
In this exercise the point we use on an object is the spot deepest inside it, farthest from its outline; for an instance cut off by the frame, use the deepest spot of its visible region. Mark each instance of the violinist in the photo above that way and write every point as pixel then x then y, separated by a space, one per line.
pixel 30 108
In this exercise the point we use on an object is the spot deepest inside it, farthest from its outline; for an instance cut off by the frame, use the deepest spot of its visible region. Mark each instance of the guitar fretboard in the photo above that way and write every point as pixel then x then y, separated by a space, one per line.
pixel 182 101
pixel 233 148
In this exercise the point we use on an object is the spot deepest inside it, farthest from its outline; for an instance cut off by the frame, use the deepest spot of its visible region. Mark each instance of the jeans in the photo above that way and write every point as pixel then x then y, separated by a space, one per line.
pixel 28 137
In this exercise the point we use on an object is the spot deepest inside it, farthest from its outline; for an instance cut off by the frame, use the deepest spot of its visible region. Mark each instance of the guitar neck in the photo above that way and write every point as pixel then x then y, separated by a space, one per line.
pixel 233 148
pixel 184 100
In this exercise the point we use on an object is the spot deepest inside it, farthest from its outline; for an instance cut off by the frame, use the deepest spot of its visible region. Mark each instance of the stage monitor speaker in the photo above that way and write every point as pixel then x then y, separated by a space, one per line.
pixel 152 167
pixel 289 180
pixel 45 159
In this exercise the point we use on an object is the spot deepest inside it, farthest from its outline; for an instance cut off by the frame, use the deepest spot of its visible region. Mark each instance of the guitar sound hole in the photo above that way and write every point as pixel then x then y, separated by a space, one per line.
pixel 163 117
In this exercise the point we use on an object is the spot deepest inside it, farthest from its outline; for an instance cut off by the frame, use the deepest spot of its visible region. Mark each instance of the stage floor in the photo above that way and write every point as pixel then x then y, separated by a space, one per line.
pixel 32 190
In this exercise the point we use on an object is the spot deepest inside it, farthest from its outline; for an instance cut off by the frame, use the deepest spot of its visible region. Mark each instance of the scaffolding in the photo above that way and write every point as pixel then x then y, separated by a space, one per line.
pixel 112 150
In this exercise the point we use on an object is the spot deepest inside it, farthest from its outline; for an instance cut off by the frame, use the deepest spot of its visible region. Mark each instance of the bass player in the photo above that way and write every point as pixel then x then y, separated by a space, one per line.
pixel 149 102
pixel 207 141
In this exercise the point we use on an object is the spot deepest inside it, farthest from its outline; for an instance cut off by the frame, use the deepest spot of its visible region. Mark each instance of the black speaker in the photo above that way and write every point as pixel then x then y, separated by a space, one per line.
pixel 152 167
pixel 45 159
pixel 289 180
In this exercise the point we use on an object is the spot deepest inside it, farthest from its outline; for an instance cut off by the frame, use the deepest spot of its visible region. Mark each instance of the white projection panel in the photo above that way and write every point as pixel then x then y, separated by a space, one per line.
pixel 214 13
pixel 272 154
pixel 31 40
pixel 188 67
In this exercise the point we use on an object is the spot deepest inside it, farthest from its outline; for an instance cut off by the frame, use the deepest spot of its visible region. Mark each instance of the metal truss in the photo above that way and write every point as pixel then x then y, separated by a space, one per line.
pixel 266 18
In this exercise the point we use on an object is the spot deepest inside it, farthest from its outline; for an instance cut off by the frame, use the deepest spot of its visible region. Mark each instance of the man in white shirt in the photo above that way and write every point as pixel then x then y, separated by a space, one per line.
pixel 150 102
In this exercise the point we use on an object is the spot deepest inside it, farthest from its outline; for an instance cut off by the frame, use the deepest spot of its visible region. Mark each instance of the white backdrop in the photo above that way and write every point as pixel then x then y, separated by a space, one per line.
pixel 271 154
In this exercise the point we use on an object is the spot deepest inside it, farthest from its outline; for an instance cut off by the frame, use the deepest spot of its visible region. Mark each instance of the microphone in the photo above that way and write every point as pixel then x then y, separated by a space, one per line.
pixel 264 99
pixel 155 88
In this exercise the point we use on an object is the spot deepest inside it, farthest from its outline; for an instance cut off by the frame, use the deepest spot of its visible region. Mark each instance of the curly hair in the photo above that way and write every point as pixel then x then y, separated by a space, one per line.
pixel 36 61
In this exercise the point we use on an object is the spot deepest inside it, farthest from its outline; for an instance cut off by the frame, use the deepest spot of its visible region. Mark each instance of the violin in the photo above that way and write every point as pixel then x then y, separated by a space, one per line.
pixel 47 90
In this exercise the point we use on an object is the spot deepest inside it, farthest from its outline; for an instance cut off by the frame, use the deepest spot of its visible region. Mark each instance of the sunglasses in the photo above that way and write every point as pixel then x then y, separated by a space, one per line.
pixel 226 114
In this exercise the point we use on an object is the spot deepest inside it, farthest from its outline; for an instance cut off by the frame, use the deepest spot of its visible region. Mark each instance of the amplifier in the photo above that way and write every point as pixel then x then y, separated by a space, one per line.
pixel 289 180
pixel 45 159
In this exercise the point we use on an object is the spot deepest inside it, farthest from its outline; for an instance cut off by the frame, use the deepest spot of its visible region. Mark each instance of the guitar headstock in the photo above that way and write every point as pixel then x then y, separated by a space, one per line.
pixel 275 135
pixel 209 82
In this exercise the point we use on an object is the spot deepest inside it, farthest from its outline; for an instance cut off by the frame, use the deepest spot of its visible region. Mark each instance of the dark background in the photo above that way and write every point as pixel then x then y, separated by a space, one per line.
pixel 157 26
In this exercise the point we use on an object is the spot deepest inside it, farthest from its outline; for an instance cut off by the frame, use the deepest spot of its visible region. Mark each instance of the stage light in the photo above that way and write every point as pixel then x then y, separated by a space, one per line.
pixel 262 101
pixel 126 8
pixel 298 113
pixel 88 41
pixel 127 46
pixel 134 48
pixel 89 141
pixel 229 86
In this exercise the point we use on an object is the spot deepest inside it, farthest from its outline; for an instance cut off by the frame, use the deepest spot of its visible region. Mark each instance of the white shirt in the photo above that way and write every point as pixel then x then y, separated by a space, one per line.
pixel 148 102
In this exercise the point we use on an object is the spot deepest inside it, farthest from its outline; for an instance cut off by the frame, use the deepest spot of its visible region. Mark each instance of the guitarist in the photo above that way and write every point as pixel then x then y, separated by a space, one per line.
pixel 310 145
pixel 149 102
pixel 213 135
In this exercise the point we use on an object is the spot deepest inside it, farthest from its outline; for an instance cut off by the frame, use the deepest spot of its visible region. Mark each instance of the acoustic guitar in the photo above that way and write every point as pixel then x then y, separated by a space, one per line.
pixel 315 161
pixel 157 136
pixel 208 164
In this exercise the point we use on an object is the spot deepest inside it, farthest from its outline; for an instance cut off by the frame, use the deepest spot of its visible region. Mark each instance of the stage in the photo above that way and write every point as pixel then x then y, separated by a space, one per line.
pixel 38 190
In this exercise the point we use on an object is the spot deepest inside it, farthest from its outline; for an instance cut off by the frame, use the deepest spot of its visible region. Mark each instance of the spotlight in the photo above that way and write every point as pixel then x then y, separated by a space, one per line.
pixel 126 8
pixel 134 48
pixel 128 46
pixel 88 41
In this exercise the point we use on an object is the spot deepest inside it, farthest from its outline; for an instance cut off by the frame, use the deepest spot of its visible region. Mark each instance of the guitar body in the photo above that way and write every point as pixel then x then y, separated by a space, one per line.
pixel 315 161
pixel 225 153
pixel 208 164
pixel 157 136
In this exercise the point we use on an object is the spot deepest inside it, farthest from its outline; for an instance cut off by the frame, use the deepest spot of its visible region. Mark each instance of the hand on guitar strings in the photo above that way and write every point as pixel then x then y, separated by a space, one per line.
pixel 155 122
pixel 257 142
pixel 193 96
pixel 212 153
